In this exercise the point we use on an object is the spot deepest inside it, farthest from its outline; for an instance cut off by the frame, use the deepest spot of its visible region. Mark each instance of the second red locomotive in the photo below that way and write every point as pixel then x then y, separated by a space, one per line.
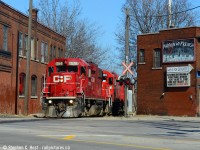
pixel 74 87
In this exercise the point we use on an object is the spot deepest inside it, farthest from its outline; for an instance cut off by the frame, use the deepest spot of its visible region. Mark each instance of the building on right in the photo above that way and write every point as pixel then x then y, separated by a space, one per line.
pixel 168 80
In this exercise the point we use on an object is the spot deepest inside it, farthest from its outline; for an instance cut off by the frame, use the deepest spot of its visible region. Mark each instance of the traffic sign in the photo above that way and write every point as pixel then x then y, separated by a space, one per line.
pixel 127 68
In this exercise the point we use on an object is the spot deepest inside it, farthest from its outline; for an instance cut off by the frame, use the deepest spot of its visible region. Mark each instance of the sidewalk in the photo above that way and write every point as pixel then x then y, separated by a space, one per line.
pixel 149 118
pixel 4 118
pixel 18 118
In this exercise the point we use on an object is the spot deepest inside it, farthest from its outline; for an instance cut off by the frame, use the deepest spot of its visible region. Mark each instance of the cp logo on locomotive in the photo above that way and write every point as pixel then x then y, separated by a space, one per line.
pixel 57 78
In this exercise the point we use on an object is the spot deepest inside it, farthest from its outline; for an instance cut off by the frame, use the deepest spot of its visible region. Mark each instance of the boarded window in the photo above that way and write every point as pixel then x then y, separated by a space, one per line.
pixel 25 44
pixel 51 53
pixel 20 43
pixel 44 52
pixel 32 48
pixel 37 50
pixel 33 85
pixel 5 38
pixel 60 53
pixel 54 52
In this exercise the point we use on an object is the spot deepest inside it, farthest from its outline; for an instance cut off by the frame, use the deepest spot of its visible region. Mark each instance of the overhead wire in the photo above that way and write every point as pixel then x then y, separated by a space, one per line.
pixel 179 12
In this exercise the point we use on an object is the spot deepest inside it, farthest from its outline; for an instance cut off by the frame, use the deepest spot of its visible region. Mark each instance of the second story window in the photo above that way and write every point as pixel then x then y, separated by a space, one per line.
pixel 25 44
pixel 37 49
pixel 44 52
pixel 5 38
pixel 141 56
pixel 157 58
pixel 51 53
pixel 20 43
pixel 60 53
pixel 32 48
pixel 54 52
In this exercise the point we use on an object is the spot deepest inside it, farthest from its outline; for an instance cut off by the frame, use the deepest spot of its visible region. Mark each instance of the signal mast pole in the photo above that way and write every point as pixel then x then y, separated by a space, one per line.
pixel 26 99
pixel 126 59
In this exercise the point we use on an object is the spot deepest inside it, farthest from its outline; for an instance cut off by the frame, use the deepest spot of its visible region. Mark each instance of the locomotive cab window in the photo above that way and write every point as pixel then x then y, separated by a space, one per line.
pixel 110 81
pixel 83 70
pixel 72 68
pixel 104 77
pixel 61 68
pixel 50 70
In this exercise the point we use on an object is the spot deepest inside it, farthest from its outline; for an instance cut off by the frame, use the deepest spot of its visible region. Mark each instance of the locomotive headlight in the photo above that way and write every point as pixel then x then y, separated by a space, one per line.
pixel 50 101
pixel 71 101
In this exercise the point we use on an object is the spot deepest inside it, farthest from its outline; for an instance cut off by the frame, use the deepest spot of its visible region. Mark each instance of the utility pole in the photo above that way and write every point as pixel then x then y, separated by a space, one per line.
pixel 28 59
pixel 126 59
pixel 169 13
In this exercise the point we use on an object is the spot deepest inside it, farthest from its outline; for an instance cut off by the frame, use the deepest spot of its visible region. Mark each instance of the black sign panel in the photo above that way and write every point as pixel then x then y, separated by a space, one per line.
pixel 178 50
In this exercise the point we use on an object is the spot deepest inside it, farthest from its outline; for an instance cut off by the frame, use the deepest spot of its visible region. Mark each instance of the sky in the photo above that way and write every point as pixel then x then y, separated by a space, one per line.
pixel 106 14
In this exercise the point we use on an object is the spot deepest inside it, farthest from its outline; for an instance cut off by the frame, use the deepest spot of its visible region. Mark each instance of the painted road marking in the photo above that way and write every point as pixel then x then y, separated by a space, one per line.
pixel 72 138
pixel 69 137
pixel 117 144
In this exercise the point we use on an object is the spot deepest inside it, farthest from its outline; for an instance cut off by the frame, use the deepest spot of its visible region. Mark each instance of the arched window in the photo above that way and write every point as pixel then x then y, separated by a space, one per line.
pixel 22 78
pixel 33 85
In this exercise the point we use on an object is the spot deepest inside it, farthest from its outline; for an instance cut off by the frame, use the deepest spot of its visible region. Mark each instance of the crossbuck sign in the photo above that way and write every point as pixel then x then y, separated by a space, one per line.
pixel 127 68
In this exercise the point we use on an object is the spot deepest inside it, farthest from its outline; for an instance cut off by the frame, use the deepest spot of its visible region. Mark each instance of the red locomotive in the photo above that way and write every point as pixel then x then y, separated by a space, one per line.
pixel 74 87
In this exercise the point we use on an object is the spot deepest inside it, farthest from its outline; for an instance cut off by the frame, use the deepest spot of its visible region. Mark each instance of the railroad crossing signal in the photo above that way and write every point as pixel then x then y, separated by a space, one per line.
pixel 127 68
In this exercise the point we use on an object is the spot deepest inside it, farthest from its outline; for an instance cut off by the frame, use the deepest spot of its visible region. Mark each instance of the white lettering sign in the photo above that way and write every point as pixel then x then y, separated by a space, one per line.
pixel 57 78
pixel 180 69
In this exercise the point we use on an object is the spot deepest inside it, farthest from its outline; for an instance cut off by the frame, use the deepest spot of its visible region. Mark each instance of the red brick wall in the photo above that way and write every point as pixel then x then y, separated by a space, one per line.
pixel 152 82
pixel 10 101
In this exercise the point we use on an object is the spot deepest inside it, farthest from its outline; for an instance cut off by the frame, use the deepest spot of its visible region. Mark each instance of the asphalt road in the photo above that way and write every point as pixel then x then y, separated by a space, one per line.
pixel 101 134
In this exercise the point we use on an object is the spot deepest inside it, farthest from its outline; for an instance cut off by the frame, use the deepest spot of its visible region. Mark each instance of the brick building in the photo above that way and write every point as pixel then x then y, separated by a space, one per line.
pixel 169 72
pixel 45 45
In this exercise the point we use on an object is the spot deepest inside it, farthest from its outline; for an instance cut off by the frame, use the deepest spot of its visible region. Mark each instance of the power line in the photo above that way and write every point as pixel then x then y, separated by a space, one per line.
pixel 174 13
pixel 179 12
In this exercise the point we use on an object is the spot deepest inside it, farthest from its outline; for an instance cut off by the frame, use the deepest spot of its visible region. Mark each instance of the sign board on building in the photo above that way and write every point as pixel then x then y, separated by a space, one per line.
pixel 179 69
pixel 178 51
pixel 178 76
